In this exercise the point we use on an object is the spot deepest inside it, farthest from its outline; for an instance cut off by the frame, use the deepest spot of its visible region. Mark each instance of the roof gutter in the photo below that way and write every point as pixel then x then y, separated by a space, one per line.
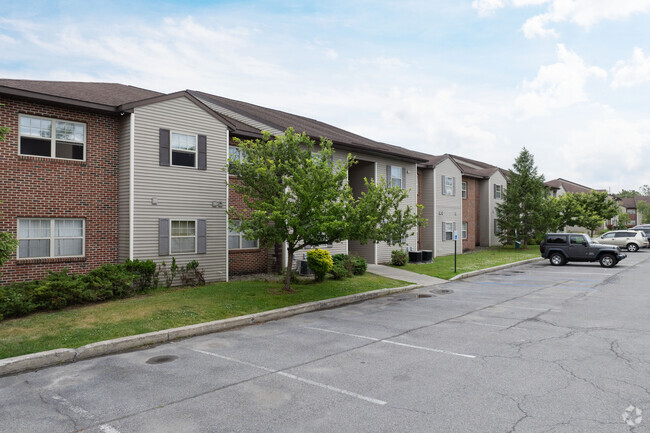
pixel 4 90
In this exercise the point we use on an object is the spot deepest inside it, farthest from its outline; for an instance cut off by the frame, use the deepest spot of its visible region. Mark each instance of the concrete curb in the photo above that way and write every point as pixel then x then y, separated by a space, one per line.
pixel 495 268
pixel 50 358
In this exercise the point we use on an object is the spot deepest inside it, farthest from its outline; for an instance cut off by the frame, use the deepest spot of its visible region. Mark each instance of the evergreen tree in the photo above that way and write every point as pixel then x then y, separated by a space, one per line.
pixel 523 212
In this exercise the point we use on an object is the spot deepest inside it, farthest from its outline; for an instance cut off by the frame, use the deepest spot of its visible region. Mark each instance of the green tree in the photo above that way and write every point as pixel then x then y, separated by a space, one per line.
pixel 645 190
pixel 524 210
pixel 623 220
pixel 643 208
pixel 588 210
pixel 7 241
pixel 295 194
pixel 628 193
pixel 3 130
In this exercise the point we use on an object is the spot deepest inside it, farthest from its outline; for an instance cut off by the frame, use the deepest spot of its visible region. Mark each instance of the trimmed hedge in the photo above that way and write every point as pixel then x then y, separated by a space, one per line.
pixel 60 289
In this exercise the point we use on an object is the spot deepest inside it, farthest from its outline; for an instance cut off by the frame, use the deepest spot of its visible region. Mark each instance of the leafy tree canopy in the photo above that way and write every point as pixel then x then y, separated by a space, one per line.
pixel 294 193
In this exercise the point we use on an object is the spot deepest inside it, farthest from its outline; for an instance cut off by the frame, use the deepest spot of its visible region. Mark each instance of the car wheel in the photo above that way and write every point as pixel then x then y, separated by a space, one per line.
pixel 607 260
pixel 632 247
pixel 556 259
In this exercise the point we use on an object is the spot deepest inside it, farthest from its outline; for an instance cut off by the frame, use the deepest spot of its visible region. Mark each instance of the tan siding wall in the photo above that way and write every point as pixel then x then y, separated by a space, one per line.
pixel 427 194
pixel 485 205
pixel 182 193
pixel 124 183
pixel 496 179
pixel 449 205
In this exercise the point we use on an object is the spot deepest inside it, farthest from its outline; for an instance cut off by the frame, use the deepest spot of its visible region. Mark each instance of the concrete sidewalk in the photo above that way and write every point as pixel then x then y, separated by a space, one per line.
pixel 401 274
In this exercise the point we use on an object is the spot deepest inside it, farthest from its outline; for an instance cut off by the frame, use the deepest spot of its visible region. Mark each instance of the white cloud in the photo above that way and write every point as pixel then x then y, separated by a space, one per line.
pixel 633 72
pixel 558 85
pixel 584 13
pixel 487 7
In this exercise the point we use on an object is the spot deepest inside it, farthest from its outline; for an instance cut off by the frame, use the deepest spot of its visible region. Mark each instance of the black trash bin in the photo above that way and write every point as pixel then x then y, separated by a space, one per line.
pixel 415 256
pixel 427 255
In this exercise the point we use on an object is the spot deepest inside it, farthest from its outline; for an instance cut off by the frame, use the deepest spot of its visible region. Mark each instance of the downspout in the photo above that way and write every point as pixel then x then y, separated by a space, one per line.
pixel 131 182
pixel 227 205
pixel 435 214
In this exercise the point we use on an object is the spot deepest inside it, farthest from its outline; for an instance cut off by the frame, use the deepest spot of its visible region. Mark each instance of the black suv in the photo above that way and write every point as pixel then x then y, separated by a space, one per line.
pixel 560 248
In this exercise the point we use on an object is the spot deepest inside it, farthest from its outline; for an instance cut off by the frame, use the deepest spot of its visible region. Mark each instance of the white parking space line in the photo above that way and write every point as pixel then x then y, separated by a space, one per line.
pixel 294 377
pixel 108 429
pixel 471 322
pixel 412 346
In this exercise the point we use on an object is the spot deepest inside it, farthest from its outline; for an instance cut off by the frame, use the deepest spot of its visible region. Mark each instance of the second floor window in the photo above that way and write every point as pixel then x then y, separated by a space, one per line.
pixel 183 147
pixel 498 191
pixel 52 138
pixel 396 176
pixel 464 189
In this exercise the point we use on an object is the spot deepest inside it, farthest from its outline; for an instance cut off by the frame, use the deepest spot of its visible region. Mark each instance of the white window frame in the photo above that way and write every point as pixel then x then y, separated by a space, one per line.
pixel 52 237
pixel 52 138
pixel 449 186
pixel 498 192
pixel 171 236
pixel 241 239
pixel 449 226
pixel 463 227
pixel 393 178
pixel 463 190
pixel 195 152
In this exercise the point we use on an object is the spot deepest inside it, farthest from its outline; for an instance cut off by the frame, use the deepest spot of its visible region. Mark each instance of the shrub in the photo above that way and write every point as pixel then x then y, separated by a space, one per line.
pixel 147 274
pixel 191 275
pixel 320 261
pixel 359 265
pixel 339 271
pixel 399 257
pixel 110 281
pixel 168 274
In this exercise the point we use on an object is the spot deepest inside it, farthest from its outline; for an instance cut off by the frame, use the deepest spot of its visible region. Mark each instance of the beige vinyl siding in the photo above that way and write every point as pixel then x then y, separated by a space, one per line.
pixel 448 208
pixel 183 193
pixel 427 194
pixel 124 184
pixel 246 120
pixel 383 248
pixel 485 205
pixel 496 179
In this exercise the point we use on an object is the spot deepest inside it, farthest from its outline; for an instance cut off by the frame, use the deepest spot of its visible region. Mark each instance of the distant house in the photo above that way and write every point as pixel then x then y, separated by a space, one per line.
pixel 630 207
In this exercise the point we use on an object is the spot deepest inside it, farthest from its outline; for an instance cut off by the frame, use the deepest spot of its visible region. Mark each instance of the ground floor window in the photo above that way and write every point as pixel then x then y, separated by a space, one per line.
pixel 236 240
pixel 50 237
pixel 448 231
pixel 183 237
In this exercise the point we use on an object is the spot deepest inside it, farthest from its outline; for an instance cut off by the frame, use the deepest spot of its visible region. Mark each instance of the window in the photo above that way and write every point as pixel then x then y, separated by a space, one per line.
pixel 464 229
pixel 631 211
pixel 38 238
pixel 183 148
pixel 449 185
pixel 464 189
pixel 498 191
pixel 52 138
pixel 236 240
pixel 561 239
pixel 448 231
pixel 497 229
pixel 396 176
pixel 577 240
pixel 183 237
pixel 608 235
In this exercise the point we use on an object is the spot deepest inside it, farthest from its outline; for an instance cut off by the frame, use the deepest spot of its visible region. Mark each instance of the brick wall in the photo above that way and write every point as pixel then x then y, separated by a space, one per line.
pixel 38 187
pixel 470 214
pixel 247 261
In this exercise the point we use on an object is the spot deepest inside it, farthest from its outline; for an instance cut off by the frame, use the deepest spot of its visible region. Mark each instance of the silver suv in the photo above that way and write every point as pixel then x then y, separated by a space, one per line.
pixel 630 239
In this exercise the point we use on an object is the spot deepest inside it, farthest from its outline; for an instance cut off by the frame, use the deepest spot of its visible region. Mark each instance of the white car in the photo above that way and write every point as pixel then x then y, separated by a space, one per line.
pixel 629 239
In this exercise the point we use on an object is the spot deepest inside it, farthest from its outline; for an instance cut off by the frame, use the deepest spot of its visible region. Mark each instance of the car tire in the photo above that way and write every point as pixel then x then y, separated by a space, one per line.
pixel 556 259
pixel 632 247
pixel 607 261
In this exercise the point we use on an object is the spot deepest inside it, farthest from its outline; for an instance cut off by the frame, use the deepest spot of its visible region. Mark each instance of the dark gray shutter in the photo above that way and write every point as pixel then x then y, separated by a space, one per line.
pixel 495 190
pixel 203 152
pixel 163 237
pixel 403 178
pixel 388 177
pixel 163 146
pixel 201 242
pixel 443 231
pixel 443 184
pixel 453 186
pixel 454 228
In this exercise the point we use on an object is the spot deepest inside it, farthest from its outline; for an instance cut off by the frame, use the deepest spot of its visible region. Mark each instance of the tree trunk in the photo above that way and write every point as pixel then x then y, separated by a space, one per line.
pixel 287 277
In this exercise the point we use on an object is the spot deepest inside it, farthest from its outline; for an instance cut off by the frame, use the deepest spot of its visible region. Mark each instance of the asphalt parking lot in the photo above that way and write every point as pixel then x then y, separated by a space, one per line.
pixel 533 348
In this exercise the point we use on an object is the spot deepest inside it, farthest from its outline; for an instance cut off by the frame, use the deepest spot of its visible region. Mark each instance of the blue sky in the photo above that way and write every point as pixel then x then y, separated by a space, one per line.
pixel 567 79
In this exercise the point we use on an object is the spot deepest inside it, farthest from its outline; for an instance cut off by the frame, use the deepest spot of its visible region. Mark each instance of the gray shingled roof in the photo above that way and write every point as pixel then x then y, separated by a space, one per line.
pixel 111 94
pixel 568 186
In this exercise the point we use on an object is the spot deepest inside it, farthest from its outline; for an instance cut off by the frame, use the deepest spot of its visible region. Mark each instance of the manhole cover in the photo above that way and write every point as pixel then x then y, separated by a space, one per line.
pixel 444 291
pixel 423 295
pixel 161 359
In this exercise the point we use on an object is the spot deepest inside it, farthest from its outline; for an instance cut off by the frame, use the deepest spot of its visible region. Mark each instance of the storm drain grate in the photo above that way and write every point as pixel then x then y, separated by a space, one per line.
pixel 442 291
pixel 162 359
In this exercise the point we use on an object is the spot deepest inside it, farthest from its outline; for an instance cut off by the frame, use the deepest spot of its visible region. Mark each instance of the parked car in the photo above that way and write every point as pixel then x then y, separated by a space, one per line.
pixel 630 239
pixel 561 248
pixel 645 228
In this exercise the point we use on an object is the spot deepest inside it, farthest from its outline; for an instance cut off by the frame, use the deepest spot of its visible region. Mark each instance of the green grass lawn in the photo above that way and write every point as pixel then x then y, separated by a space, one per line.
pixel 443 267
pixel 166 309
